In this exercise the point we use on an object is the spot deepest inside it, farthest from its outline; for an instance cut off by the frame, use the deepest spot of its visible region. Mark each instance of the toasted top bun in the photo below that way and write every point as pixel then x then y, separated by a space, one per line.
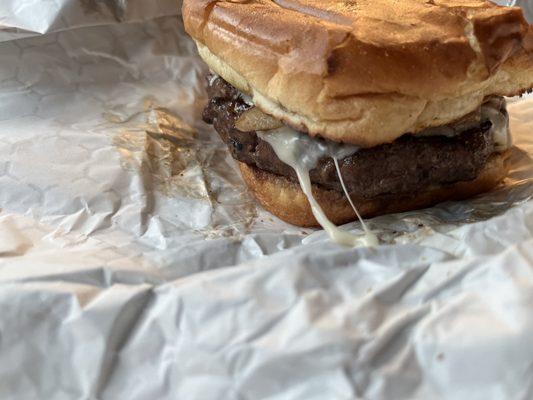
pixel 364 71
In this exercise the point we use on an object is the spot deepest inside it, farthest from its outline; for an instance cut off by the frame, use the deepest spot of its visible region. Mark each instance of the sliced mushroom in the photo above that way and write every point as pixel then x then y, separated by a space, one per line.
pixel 256 120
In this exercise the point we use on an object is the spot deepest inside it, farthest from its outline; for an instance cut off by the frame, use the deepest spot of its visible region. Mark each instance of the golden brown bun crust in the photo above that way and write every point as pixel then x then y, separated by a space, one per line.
pixel 286 200
pixel 364 72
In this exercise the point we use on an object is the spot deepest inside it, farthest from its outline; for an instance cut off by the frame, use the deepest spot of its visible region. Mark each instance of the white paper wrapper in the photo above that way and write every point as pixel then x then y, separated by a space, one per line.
pixel 23 18
pixel 134 264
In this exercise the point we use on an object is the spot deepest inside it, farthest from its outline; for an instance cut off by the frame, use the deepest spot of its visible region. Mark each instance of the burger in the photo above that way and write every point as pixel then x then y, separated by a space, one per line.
pixel 372 106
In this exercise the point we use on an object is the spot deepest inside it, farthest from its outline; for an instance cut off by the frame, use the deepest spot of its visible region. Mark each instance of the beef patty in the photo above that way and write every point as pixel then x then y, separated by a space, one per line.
pixel 409 164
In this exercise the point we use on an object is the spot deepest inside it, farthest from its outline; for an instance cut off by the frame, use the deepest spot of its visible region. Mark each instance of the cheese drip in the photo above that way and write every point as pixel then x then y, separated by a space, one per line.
pixel 372 239
pixel 302 153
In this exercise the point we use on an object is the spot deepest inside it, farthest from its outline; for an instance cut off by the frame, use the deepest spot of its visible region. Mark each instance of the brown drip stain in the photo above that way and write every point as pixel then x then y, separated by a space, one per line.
pixel 163 148
pixel 173 161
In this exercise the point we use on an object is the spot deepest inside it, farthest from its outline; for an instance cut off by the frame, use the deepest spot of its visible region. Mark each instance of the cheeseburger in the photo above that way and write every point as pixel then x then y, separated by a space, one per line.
pixel 376 106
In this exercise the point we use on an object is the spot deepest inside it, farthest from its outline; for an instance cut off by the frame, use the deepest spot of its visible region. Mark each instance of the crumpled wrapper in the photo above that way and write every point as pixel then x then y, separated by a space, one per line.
pixel 135 265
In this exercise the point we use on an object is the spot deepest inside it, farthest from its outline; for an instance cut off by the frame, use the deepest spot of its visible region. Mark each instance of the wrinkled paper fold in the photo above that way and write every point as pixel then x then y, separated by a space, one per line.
pixel 135 265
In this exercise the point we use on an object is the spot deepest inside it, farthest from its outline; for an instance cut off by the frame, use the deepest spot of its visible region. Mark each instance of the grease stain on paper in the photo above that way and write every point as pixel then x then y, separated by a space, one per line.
pixel 162 146
pixel 173 161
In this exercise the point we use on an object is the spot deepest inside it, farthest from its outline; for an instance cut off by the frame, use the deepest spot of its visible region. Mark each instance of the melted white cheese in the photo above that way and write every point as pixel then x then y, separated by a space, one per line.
pixel 370 237
pixel 302 153
pixel 212 78
pixel 491 110
pixel 247 99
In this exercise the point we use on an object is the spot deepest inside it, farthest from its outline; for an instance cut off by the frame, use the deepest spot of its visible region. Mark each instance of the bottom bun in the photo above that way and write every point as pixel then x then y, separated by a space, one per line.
pixel 285 199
